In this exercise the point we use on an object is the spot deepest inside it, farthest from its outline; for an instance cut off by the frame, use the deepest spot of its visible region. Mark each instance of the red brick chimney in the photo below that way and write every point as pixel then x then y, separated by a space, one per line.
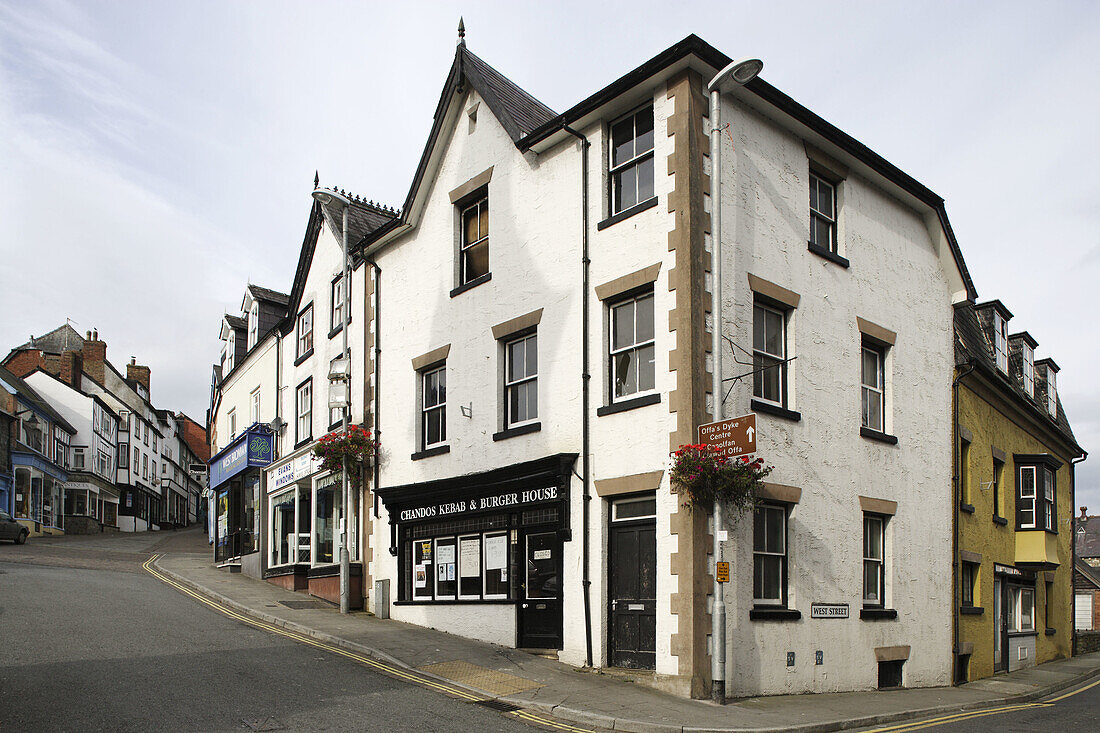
pixel 72 368
pixel 138 373
pixel 95 357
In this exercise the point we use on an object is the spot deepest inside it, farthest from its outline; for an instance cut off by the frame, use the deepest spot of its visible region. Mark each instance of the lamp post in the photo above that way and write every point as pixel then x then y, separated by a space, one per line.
pixel 738 73
pixel 342 371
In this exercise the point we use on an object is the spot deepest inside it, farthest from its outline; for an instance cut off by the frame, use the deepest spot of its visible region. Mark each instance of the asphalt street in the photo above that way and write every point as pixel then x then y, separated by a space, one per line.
pixel 115 650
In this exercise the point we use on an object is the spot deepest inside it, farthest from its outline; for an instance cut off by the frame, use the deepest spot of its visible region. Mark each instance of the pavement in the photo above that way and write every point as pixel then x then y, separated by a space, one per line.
pixel 594 698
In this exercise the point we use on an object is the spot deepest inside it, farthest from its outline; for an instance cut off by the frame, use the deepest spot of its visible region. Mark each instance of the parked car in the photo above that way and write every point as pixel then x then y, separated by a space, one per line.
pixel 11 529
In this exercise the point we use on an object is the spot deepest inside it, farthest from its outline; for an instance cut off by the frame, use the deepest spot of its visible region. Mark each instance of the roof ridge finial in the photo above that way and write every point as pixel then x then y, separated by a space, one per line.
pixel 461 33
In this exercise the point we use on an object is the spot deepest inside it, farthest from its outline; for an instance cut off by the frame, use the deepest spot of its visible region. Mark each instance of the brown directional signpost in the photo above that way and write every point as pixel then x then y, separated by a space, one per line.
pixel 733 437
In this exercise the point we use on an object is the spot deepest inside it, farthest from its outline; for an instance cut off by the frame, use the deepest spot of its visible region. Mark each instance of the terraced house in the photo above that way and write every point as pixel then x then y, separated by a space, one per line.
pixel 531 336
pixel 1014 490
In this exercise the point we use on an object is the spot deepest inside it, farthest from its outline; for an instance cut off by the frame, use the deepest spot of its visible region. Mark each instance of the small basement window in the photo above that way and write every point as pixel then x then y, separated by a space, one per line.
pixel 889 674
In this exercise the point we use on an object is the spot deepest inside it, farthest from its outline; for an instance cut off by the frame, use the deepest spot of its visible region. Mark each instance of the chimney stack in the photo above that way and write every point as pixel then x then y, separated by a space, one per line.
pixel 72 367
pixel 138 373
pixel 94 356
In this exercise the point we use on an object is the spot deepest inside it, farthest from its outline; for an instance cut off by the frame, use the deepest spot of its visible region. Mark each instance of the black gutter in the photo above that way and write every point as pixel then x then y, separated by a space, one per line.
pixel 586 379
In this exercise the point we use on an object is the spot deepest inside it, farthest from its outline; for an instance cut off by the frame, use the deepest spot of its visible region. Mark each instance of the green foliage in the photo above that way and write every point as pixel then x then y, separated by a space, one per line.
pixel 356 445
pixel 704 475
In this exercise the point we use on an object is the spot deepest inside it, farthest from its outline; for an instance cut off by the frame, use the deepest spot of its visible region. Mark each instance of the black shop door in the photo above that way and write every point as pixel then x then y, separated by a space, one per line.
pixel 633 594
pixel 540 612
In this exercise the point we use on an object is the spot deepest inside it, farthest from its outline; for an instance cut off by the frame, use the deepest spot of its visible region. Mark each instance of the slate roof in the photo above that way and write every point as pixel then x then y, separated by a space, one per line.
pixel 1088 542
pixel 268 295
pixel 236 322
pixel 30 394
pixel 518 111
pixel 63 338
pixel 364 217
pixel 972 345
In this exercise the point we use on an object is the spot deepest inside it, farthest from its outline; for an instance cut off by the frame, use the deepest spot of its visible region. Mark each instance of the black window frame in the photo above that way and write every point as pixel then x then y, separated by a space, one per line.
pixel 637 161
pixel 1045 511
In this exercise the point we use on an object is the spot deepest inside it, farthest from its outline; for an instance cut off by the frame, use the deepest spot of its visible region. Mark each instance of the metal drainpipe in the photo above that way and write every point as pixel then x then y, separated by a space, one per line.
pixel 1073 552
pixel 955 499
pixel 377 373
pixel 586 378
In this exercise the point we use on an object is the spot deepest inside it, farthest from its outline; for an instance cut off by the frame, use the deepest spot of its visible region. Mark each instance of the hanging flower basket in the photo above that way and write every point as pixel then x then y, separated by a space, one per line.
pixel 357 445
pixel 704 476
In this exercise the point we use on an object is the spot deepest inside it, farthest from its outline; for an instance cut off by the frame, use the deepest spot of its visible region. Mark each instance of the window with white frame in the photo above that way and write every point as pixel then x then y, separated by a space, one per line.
pixel 769 353
pixel 338 300
pixel 137 457
pixel 254 406
pixel 154 441
pixel 1052 393
pixel 1000 341
pixel 631 166
pixel 474 247
pixel 103 464
pixel 304 412
pixel 61 447
pixel 874 566
pixel 1021 608
pixel 123 455
pixel 145 467
pixel 253 325
pixel 632 348
pixel 433 407
pixel 336 414
pixel 872 387
pixel 1049 515
pixel 230 350
pixel 231 416
pixel 1025 498
pixel 769 555
pixel 822 213
pixel 1029 369
pixel 123 421
pixel 521 393
pixel 305 331
pixel 78 458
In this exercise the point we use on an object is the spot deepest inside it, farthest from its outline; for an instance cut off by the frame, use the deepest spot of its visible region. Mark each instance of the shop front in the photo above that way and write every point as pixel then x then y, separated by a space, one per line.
pixel 484 548
pixel 235 478
pixel 1014 628
pixel 38 494
pixel 304 515
pixel 90 505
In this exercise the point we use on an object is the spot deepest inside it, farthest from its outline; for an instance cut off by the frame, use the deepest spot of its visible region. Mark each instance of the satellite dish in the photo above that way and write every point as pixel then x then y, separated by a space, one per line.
pixel 277 425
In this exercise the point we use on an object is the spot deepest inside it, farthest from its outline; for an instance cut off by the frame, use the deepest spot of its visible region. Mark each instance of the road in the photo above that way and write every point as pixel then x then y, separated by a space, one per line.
pixel 102 646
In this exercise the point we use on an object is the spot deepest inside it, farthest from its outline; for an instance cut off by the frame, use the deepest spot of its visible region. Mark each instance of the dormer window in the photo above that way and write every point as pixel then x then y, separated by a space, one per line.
pixel 1052 394
pixel 1029 370
pixel 1000 341
pixel 253 325
pixel 230 349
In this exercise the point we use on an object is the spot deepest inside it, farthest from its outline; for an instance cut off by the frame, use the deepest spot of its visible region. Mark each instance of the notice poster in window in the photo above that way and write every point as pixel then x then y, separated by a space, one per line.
pixel 441 571
pixel 496 552
pixel 446 553
pixel 470 558
pixel 450 571
pixel 420 579
pixel 426 550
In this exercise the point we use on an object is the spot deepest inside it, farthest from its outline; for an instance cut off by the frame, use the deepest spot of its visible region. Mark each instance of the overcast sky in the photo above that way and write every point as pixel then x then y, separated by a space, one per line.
pixel 157 156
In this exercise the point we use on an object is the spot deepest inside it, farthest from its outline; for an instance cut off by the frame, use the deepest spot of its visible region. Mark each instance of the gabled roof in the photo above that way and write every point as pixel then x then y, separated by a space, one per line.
pixel 973 348
pixel 31 396
pixel 1087 542
pixel 1088 572
pixel 63 338
pixel 236 322
pixel 268 295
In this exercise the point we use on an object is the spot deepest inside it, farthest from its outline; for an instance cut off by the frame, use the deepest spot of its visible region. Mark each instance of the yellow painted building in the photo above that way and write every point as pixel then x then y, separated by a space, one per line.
pixel 1014 494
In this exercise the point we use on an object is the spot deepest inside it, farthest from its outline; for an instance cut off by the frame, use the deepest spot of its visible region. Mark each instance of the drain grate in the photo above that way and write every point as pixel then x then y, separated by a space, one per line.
pixel 264 724
pixel 498 705
pixel 298 605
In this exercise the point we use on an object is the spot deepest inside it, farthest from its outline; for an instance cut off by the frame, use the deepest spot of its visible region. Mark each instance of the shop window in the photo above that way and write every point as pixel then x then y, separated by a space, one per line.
pixel 1021 608
pixel 496 565
pixel 324 524
pixel 22 492
pixel 469 567
pixel 460 560
pixel 446 568
pixel 423 570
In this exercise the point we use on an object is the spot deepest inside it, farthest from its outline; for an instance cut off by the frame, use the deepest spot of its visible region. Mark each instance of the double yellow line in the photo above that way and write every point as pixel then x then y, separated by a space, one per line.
pixel 418 679
pixel 959 717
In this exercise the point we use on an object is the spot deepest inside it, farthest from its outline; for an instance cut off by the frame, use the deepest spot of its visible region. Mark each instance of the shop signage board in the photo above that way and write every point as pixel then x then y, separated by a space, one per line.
pixel 295 469
pixel 733 437
pixel 828 610
pixel 254 448
pixel 468 506
pixel 723 572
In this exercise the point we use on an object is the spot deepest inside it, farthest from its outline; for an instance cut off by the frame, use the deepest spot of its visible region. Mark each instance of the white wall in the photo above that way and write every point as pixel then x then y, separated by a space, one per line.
pixel 895 281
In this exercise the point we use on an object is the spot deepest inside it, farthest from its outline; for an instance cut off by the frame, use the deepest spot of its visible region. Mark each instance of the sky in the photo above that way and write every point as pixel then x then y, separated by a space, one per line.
pixel 157 157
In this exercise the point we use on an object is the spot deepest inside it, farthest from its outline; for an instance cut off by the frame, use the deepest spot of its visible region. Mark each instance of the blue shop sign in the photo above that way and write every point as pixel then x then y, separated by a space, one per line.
pixel 255 448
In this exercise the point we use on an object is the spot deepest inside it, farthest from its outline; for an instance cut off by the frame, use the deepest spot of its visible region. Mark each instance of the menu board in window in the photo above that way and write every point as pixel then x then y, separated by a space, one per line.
pixel 469 564
pixel 496 565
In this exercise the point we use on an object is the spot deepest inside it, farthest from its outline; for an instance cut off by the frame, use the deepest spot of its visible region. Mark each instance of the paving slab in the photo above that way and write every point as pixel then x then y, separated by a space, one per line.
pixel 605 700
